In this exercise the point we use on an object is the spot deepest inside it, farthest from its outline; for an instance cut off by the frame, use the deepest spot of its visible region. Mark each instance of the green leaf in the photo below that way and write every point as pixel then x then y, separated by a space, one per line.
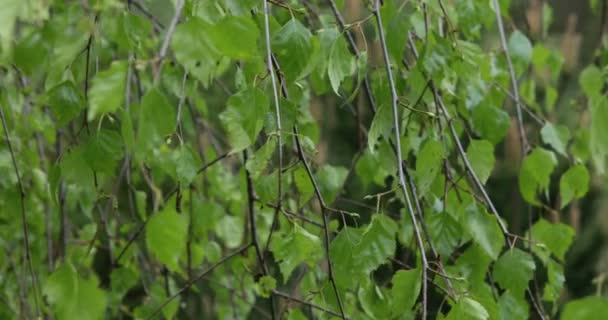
pixel 341 63
pixel 445 232
pixel 166 234
pixel 535 174
pixel 573 184
pixel 428 164
pixel 405 290
pixel 73 296
pixel 122 279
pixel 599 123
pixel 229 229
pixel 588 308
pixel 242 42
pixel 157 120
pixel 484 229
pixel 520 47
pixel 107 90
pixel 295 247
pixel 374 300
pixel 259 161
pixel 512 308
pixel 481 156
pixel 344 251
pixel 467 308
pixel 65 102
pixel 186 165
pixel 555 283
pixel 591 80
pixel 303 183
pixel 293 47
pixel 189 41
pixel 127 131
pixel 330 180
pixel 381 126
pixel 265 286
pixel 556 237
pixel 490 122
pixel 556 136
pixel 103 149
pixel 513 270
pixel 378 242
pixel 244 117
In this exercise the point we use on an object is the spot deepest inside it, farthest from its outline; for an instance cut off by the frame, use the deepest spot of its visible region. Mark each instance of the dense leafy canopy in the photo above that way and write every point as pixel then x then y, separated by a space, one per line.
pixel 266 159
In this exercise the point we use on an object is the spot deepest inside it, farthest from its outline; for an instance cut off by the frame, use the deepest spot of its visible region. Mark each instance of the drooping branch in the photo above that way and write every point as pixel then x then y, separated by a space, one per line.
pixel 166 41
pixel 22 195
pixel 473 175
pixel 397 137
pixel 253 229
pixel 324 207
pixel 275 95
pixel 514 86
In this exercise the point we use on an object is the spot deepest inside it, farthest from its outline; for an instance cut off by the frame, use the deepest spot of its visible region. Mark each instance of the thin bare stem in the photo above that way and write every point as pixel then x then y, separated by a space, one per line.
pixel 22 194
pixel 275 93
pixel 324 214
pixel 514 85
pixel 200 276
pixel 307 303
pixel 165 46
pixel 318 194
pixel 402 183
pixel 253 229
pixel 179 107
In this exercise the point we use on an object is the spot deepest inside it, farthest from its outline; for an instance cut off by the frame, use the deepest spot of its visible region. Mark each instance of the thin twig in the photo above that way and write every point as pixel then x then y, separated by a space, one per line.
pixel 191 282
pixel 318 194
pixel 22 194
pixel 514 85
pixel 402 183
pixel 275 93
pixel 212 162
pixel 165 46
pixel 158 26
pixel 253 229
pixel 179 108
pixel 324 214
pixel 310 304
pixel 477 182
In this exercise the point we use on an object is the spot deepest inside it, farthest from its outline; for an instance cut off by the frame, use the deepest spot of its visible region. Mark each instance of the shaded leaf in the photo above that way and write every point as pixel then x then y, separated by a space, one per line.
pixel 107 90
pixel 535 174
pixel 513 270
pixel 166 233
pixel 481 156
pixel 295 247
pixel 573 184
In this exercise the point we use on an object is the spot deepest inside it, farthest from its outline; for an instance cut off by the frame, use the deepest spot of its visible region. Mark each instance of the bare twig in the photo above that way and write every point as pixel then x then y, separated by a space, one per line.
pixel 191 282
pixel 165 46
pixel 514 85
pixel 22 194
pixel 402 183
pixel 253 229
pixel 318 194
pixel 310 304
pixel 275 93
pixel 324 214
pixel 179 108
pixel 212 162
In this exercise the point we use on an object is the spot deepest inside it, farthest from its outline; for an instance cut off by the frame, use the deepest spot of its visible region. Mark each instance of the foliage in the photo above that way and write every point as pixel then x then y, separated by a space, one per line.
pixel 265 159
